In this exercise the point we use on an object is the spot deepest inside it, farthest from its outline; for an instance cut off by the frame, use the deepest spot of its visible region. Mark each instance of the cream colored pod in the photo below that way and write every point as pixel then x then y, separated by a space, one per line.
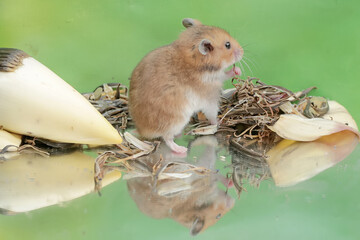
pixel 31 181
pixel 7 139
pixel 291 162
pixel 34 101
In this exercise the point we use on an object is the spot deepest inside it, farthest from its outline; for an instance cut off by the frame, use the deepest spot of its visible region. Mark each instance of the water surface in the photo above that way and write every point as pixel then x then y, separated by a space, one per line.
pixel 53 197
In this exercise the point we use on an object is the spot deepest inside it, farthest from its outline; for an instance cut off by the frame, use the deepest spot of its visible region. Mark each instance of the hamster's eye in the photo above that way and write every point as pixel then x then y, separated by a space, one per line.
pixel 227 45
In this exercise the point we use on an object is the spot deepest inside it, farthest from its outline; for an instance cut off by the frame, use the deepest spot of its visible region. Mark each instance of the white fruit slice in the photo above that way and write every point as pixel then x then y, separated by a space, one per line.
pixel 291 162
pixel 7 138
pixel 31 181
pixel 35 101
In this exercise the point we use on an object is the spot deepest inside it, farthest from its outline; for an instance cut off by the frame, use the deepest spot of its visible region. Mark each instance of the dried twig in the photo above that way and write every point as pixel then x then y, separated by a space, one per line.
pixel 247 110
pixel 111 100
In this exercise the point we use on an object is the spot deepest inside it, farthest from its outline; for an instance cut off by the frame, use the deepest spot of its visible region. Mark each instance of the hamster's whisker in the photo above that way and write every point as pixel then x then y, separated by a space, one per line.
pixel 241 67
pixel 250 53
pixel 252 74
pixel 245 45
pixel 253 63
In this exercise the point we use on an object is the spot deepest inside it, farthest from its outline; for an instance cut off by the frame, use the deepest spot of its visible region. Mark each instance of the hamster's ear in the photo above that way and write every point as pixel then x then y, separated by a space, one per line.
pixel 205 47
pixel 197 226
pixel 189 22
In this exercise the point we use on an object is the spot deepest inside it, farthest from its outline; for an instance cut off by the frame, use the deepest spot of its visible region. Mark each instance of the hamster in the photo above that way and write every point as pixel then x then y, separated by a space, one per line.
pixel 173 82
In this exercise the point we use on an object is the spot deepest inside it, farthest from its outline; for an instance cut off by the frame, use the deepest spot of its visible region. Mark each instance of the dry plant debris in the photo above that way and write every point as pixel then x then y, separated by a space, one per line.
pixel 254 105
pixel 111 100
pixel 118 156
pixel 247 110
pixel 131 157
pixel 247 168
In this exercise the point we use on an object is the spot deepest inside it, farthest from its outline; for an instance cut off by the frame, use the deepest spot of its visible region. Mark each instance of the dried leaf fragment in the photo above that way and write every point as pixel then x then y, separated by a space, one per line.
pixel 298 128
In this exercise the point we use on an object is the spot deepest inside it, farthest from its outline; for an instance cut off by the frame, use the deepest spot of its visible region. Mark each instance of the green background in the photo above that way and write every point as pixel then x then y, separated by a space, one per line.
pixel 295 44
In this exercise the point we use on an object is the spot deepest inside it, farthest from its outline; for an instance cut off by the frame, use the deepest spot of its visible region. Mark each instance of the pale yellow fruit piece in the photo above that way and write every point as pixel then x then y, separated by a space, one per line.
pixel 291 162
pixel 34 101
pixel 7 138
pixel 32 181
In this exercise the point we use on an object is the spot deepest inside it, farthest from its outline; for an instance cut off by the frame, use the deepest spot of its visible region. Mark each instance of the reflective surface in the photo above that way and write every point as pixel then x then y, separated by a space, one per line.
pixel 55 194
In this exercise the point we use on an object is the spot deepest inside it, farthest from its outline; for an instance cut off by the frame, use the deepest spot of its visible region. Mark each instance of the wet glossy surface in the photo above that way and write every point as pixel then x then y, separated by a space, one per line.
pixel 51 194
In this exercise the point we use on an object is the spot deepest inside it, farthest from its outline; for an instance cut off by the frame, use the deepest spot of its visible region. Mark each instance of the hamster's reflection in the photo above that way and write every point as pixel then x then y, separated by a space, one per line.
pixel 194 201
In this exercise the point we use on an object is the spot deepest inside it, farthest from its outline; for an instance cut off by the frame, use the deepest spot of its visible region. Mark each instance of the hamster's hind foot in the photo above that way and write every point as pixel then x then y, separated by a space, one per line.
pixel 174 147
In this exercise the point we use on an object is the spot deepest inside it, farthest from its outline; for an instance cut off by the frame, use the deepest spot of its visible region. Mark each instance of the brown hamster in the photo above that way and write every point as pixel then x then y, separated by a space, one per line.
pixel 175 81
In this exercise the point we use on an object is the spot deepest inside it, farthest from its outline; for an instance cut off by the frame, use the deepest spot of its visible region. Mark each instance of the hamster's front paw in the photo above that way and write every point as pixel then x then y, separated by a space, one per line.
pixel 237 71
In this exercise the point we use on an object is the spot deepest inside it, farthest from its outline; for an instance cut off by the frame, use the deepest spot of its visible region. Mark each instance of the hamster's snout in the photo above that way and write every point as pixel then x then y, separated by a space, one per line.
pixel 238 53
